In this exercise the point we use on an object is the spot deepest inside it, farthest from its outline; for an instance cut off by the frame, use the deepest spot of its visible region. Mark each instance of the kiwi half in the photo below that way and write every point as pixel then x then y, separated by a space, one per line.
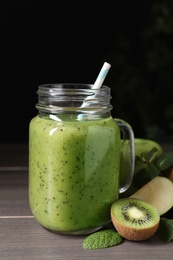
pixel 134 219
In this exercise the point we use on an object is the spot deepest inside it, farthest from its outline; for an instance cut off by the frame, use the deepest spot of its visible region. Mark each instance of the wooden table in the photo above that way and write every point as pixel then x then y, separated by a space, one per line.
pixel 21 237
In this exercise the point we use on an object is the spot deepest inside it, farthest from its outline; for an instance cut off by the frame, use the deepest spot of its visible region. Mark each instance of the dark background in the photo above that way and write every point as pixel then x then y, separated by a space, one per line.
pixel 68 41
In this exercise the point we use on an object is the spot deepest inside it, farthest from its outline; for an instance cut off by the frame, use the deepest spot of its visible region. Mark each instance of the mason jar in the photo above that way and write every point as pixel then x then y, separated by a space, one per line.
pixel 75 158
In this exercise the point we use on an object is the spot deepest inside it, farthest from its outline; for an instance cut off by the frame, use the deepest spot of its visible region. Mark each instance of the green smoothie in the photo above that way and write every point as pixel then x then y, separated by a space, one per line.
pixel 73 172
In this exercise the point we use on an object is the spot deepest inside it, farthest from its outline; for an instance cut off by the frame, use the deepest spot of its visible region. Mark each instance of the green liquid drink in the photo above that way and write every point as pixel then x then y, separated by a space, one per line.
pixel 75 151
pixel 73 172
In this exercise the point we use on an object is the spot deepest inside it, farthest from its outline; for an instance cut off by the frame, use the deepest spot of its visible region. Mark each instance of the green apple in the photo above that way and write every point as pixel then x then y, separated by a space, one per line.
pixel 142 146
pixel 158 192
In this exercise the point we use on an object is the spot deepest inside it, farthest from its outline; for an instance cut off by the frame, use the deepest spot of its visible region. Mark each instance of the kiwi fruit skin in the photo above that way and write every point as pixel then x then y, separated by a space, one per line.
pixel 130 230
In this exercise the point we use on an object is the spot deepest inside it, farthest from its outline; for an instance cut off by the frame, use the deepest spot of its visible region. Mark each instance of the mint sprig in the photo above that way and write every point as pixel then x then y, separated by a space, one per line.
pixel 152 168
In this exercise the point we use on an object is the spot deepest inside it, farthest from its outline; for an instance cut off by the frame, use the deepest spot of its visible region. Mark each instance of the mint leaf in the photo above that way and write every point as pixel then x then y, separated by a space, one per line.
pixel 164 161
pixel 145 175
pixel 102 239
pixel 141 178
pixel 153 170
pixel 165 230
pixel 149 155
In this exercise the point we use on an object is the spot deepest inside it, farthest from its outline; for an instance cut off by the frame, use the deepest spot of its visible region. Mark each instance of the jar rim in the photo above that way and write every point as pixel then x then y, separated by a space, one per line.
pixel 71 85
pixel 82 88
pixel 73 97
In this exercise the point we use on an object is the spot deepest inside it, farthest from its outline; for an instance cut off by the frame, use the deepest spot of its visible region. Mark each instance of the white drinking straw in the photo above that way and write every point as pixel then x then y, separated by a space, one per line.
pixel 102 75
pixel 99 80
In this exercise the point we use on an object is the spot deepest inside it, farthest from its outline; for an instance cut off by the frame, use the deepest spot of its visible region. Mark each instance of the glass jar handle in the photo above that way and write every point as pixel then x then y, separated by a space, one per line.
pixel 127 155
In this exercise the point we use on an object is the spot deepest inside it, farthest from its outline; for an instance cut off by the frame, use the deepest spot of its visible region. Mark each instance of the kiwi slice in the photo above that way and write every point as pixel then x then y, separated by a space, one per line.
pixel 134 219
